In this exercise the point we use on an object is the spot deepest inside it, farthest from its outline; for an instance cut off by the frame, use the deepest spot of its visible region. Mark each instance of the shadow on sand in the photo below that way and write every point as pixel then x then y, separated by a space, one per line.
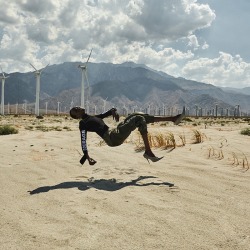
pixel 102 184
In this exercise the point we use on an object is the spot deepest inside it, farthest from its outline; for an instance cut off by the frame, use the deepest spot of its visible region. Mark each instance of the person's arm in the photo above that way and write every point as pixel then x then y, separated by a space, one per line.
pixel 108 113
pixel 84 149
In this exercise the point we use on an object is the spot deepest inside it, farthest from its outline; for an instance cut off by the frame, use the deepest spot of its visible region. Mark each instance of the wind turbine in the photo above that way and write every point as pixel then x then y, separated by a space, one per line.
pixel 38 76
pixel 3 77
pixel 104 104
pixel 83 67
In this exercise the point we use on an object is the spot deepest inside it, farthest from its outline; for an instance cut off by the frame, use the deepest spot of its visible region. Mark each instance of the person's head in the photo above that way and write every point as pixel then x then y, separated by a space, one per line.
pixel 77 112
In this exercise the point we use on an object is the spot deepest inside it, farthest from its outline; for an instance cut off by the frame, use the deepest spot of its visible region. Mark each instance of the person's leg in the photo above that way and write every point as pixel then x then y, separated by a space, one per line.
pixel 148 150
pixel 151 119
pixel 175 119
pixel 166 118
pixel 124 129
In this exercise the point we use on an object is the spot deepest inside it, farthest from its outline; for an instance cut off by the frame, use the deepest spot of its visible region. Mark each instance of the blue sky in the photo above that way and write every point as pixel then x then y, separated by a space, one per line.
pixel 203 40
pixel 230 30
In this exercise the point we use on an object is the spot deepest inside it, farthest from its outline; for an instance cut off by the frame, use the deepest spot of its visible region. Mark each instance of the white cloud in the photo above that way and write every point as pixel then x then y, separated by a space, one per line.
pixel 224 70
pixel 140 31
pixel 205 46
pixel 8 13
pixel 193 42
pixel 173 19
pixel 36 6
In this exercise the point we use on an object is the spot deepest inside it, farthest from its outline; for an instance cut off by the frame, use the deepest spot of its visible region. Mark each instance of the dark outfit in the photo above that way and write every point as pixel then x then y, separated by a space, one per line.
pixel 115 136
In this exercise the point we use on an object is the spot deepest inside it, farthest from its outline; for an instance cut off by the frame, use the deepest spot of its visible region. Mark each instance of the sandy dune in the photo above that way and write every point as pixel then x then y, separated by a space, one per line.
pixel 194 198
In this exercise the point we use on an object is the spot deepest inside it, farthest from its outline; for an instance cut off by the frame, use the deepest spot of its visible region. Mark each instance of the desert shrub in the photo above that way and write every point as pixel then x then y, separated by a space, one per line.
pixel 67 128
pixel 245 131
pixel 187 119
pixel 57 128
pixel 29 127
pixel 46 129
pixel 246 119
pixel 7 130
pixel 42 128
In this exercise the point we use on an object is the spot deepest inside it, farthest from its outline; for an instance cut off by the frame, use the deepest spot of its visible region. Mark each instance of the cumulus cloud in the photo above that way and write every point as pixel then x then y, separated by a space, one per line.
pixel 142 31
pixel 8 13
pixel 172 19
pixel 225 70
pixel 36 6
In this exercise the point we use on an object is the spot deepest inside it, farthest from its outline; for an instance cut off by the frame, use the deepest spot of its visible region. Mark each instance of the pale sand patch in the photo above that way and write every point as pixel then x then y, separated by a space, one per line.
pixel 192 199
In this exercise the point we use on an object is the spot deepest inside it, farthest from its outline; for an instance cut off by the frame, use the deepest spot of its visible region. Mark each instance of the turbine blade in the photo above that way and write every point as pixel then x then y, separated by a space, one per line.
pixel 33 67
pixel 2 71
pixel 42 69
pixel 89 56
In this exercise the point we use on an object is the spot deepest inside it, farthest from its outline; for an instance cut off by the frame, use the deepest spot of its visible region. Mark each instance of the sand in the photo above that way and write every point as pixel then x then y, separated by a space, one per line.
pixel 196 197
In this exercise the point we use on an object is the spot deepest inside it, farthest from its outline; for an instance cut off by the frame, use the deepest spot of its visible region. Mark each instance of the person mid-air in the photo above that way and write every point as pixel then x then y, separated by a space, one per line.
pixel 116 136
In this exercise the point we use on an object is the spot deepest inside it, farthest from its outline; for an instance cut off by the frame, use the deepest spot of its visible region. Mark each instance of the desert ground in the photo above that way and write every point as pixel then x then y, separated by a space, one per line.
pixel 196 197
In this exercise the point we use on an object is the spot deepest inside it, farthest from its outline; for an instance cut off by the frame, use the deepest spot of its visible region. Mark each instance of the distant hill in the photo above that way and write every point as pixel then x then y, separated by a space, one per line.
pixel 245 91
pixel 126 85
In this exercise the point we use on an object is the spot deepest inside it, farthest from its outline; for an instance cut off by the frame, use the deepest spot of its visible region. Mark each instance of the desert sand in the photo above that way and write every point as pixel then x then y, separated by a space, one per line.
pixel 196 197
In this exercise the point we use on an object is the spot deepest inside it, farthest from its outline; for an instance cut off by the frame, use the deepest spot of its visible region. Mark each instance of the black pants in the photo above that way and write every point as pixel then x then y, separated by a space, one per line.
pixel 116 136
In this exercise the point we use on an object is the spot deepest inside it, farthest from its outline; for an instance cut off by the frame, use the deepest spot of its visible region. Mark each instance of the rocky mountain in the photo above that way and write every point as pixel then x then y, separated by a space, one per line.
pixel 126 86
pixel 245 91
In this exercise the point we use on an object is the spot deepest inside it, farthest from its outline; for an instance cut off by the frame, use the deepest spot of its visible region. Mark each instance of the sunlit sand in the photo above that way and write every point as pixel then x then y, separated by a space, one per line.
pixel 196 197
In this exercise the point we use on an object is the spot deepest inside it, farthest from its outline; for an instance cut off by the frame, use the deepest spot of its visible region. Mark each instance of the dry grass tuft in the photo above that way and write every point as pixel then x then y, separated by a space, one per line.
pixel 171 143
pixel 242 161
pixel 183 139
pixel 215 153
pixel 197 136
pixel 158 140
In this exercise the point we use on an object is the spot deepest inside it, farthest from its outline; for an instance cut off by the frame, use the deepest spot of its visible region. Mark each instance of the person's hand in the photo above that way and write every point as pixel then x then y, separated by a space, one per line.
pixel 91 161
pixel 115 115
pixel 83 159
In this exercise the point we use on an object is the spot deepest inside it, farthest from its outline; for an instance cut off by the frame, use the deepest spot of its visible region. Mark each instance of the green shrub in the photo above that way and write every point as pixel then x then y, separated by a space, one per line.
pixel 245 131
pixel 7 130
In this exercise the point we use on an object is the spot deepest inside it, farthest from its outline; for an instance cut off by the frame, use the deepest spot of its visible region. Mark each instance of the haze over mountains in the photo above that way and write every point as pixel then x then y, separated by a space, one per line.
pixel 127 85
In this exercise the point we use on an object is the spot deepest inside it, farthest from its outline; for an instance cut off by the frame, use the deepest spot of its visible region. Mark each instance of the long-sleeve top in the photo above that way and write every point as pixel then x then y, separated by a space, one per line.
pixel 92 124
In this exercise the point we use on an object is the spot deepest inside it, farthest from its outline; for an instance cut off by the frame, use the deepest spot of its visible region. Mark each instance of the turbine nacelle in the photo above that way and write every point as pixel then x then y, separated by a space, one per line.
pixel 82 67
pixel 3 76
pixel 38 72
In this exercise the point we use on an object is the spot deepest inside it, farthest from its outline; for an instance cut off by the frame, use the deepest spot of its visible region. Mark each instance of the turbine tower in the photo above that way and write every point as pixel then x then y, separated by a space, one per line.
pixel 38 77
pixel 83 67
pixel 3 77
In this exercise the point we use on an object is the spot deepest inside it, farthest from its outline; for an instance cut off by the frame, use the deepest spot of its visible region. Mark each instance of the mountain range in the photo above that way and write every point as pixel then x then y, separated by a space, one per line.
pixel 125 86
